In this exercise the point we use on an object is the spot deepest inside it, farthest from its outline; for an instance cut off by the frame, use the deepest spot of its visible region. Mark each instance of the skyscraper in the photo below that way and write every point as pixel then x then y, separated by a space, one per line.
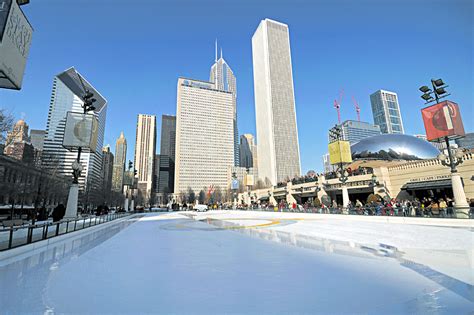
pixel 248 151
pixel 204 135
pixel 386 111
pixel 119 163
pixel 37 141
pixel 354 131
pixel 107 169
pixel 224 80
pixel 145 150
pixel 66 96
pixel 167 155
pixel 467 142
pixel 18 144
pixel 277 133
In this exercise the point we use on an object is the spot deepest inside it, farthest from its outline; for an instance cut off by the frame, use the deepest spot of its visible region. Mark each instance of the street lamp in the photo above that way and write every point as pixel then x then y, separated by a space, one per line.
pixel 343 176
pixel 235 187
pixel 453 159
pixel 437 92
pixel 454 155
pixel 72 201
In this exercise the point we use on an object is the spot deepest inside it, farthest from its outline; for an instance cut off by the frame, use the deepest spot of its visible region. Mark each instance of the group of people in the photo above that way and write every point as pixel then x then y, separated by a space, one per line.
pixel 424 207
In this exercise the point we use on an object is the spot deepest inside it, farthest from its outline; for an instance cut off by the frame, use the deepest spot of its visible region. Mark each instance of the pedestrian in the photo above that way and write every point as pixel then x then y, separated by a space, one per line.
pixel 442 208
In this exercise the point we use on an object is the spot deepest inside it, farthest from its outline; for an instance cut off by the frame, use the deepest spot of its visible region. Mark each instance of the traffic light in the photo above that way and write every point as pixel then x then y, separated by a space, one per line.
pixel 134 172
pixel 130 165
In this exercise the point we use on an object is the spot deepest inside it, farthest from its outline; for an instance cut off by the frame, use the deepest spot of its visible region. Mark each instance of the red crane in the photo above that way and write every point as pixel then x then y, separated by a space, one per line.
pixel 357 108
pixel 337 105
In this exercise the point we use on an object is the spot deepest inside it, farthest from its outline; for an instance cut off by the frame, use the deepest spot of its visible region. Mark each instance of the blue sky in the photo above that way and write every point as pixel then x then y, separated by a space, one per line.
pixel 134 51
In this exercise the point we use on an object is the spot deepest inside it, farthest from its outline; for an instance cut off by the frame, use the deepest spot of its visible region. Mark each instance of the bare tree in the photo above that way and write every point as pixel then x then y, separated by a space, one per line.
pixel 6 125
pixel 260 184
pixel 268 183
pixel 218 194
pixel 191 196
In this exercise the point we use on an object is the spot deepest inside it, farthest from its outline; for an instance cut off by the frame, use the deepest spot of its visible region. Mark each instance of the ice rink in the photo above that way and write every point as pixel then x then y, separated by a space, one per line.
pixel 246 263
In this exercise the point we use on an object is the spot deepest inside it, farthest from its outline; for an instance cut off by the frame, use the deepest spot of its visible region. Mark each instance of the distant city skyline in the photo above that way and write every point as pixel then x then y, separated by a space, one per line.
pixel 327 56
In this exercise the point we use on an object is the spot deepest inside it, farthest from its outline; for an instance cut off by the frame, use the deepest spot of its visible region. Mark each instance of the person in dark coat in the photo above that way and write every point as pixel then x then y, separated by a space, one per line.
pixel 59 212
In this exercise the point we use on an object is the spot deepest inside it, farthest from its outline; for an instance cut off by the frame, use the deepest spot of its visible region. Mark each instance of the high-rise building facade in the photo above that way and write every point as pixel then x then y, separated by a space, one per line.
pixel 145 150
pixel 354 131
pixel 224 80
pixel 119 163
pixel 19 133
pixel 467 142
pixel 277 133
pixel 66 97
pixel 386 111
pixel 37 141
pixel 107 169
pixel 166 164
pixel 248 151
pixel 18 144
pixel 204 135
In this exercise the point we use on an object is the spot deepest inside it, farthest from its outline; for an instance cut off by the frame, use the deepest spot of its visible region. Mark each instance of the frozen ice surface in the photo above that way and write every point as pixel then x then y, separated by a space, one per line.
pixel 171 263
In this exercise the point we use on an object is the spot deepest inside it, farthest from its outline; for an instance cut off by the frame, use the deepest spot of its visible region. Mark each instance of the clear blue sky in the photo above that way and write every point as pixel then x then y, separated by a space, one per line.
pixel 134 51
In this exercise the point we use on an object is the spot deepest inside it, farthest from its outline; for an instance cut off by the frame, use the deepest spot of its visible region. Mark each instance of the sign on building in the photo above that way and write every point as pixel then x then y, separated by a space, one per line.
pixel 234 184
pixel 340 152
pixel 15 41
pixel 442 120
pixel 81 131
pixel 249 180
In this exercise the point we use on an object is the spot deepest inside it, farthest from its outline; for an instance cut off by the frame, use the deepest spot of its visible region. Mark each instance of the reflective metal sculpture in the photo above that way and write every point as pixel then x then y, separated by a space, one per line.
pixel 393 147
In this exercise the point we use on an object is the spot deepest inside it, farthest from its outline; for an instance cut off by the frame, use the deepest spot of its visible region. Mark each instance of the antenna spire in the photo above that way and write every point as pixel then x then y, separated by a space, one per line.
pixel 221 52
pixel 216 52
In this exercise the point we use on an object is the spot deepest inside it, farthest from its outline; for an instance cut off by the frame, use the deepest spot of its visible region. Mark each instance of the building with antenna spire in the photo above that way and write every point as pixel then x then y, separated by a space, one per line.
pixel 224 80
pixel 119 163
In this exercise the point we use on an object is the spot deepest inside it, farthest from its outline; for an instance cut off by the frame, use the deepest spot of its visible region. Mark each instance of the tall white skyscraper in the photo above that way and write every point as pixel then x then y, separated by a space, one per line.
pixel 386 111
pixel 204 135
pixel 277 133
pixel 223 78
pixel 65 97
pixel 145 150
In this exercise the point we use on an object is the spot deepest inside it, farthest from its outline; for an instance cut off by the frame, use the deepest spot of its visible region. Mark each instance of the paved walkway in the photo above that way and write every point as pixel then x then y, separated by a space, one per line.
pixel 171 263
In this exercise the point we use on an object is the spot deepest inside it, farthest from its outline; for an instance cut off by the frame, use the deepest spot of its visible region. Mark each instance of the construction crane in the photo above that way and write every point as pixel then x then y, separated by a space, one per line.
pixel 357 108
pixel 337 105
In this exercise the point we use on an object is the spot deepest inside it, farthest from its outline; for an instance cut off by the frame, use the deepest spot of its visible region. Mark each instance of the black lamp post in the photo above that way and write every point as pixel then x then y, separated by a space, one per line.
pixel 88 106
pixel 454 155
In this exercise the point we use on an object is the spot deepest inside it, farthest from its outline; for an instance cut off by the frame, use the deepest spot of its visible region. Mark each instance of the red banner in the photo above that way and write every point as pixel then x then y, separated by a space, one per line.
pixel 442 120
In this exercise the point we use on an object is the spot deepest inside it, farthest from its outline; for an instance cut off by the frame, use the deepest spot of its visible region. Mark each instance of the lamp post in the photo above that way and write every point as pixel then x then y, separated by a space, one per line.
pixel 133 175
pixel 247 171
pixel 72 200
pixel 453 159
pixel 343 176
pixel 234 187
pixel 454 156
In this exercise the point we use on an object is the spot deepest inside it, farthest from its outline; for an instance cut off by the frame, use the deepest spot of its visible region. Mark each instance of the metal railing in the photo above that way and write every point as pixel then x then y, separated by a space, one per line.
pixel 16 236
pixel 448 212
